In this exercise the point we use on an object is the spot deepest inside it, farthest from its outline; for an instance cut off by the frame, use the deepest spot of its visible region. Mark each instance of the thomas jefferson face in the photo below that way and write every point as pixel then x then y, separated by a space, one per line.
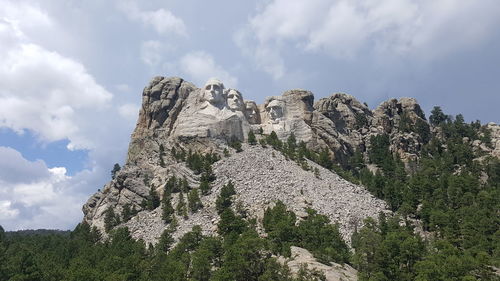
pixel 213 91
pixel 234 100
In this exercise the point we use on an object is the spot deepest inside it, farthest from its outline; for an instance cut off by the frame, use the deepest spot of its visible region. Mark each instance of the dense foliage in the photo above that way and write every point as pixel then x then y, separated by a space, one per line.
pixel 314 233
pixel 451 195
pixel 454 197
pixel 240 254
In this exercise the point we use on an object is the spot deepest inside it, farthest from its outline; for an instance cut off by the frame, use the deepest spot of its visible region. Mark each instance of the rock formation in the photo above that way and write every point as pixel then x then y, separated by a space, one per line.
pixel 175 114
pixel 334 272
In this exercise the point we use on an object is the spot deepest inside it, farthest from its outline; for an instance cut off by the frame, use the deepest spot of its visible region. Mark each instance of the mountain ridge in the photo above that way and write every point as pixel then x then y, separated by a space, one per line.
pixel 198 151
pixel 176 114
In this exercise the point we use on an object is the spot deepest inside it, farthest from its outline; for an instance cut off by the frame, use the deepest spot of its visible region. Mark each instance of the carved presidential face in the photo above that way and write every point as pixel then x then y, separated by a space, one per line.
pixel 213 91
pixel 275 109
pixel 234 100
pixel 251 112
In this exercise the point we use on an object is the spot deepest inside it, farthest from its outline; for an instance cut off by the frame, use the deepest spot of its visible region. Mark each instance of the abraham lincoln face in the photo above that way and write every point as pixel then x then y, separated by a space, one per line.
pixel 274 109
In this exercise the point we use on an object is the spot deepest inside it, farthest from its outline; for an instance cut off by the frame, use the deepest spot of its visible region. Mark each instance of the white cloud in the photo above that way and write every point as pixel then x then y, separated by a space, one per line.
pixel 39 201
pixel 7 212
pixel 150 52
pixel 153 52
pixel 129 111
pixel 266 56
pixel 56 98
pixel 200 66
pixel 43 91
pixel 24 15
pixel 426 29
pixel 14 168
pixel 124 88
pixel 161 20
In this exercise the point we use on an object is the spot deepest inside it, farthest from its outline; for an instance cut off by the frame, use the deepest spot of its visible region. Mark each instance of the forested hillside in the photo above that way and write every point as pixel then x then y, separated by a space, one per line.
pixel 446 225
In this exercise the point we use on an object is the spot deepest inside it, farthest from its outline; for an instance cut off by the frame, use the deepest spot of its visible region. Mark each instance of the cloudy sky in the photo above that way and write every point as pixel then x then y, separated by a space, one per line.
pixel 72 73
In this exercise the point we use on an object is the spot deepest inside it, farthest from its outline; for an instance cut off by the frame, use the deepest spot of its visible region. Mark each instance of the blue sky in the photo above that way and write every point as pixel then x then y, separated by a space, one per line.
pixel 72 74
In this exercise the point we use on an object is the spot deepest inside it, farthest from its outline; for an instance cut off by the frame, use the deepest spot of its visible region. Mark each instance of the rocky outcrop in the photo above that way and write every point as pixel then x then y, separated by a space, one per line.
pixel 162 100
pixel 261 176
pixel 404 121
pixel 340 121
pixel 177 114
pixel 302 258
pixel 346 112
pixel 493 147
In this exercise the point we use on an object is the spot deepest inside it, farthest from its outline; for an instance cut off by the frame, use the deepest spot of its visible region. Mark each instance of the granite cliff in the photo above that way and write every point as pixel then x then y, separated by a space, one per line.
pixel 177 116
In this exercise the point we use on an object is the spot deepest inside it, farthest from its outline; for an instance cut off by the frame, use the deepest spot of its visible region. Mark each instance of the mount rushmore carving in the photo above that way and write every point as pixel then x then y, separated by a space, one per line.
pixel 216 112
pixel 176 112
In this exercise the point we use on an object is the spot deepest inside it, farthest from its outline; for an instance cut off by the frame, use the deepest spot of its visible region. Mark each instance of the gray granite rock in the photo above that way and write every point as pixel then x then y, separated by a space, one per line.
pixel 177 114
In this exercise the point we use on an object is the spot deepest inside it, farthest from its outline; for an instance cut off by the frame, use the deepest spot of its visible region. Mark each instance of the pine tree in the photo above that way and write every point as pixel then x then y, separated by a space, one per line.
pixel 437 116
pixel 181 206
pixel 110 219
pixel 170 186
pixel 324 159
pixel 208 174
pixel 316 172
pixel 166 241
pixel 162 153
pixel 274 141
pixel 153 199
pixel 115 170
pixel 230 223
pixel 379 150
pixel 251 138
pixel 236 144
pixel 204 187
pixel 292 142
pixel 263 143
pixel 185 185
pixel 194 201
pixel 128 212
pixel 195 162
pixel 167 209
pixel 224 199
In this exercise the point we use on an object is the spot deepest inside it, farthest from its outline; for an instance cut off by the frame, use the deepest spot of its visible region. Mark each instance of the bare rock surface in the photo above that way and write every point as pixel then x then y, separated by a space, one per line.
pixel 333 272
pixel 495 139
pixel 175 114
pixel 262 176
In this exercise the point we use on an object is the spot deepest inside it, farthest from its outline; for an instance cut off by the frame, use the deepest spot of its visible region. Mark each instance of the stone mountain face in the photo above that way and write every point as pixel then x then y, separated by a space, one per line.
pixel 175 114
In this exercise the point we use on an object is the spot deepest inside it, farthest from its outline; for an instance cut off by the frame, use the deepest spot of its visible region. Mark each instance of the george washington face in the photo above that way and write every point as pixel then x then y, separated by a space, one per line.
pixel 213 91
